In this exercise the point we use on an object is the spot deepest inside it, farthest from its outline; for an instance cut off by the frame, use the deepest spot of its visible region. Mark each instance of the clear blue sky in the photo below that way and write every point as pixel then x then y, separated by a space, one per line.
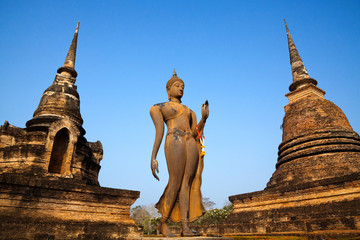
pixel 233 53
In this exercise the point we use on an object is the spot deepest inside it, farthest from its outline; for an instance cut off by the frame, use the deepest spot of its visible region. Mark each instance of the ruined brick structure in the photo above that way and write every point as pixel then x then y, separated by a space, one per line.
pixel 315 190
pixel 49 173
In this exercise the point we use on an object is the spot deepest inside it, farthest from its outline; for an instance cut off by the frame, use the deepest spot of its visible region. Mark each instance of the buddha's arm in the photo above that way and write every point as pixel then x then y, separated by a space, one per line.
pixel 157 118
pixel 193 125
pixel 204 116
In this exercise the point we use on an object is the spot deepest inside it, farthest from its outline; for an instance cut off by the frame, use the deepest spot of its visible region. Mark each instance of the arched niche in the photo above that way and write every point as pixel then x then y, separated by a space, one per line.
pixel 60 147
pixel 59 152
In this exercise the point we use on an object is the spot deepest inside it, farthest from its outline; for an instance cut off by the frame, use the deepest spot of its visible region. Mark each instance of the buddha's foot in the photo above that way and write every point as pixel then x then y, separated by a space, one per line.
pixel 164 230
pixel 187 232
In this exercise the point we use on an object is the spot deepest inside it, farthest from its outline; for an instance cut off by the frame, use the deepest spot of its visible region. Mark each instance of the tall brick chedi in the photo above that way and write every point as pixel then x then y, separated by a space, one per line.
pixel 318 142
pixel 315 189
pixel 49 173
pixel 53 143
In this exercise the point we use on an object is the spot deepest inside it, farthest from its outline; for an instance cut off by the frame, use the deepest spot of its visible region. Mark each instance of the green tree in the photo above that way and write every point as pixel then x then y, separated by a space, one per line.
pixel 146 217
pixel 139 213
pixel 208 204
pixel 214 216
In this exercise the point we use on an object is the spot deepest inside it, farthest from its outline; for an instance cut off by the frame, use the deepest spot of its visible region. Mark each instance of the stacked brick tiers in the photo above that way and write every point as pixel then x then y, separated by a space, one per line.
pixel 49 185
pixel 318 144
pixel 330 209
pixel 315 190
pixel 37 208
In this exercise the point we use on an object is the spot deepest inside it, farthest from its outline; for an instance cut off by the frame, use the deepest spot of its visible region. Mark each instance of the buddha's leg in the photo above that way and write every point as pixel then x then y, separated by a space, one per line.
pixel 175 153
pixel 189 174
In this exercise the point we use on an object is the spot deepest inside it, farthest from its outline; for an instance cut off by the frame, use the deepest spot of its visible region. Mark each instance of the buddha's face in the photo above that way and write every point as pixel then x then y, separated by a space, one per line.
pixel 176 90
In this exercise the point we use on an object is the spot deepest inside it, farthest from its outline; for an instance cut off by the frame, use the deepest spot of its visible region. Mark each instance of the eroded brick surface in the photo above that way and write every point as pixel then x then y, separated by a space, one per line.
pixel 49 185
pixel 315 190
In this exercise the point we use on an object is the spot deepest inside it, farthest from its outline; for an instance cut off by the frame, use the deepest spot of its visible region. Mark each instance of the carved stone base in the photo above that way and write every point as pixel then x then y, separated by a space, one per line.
pixel 34 208
pixel 184 238
pixel 330 210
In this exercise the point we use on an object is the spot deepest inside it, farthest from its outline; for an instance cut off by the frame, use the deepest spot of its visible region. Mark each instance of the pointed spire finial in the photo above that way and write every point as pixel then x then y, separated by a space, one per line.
pixel 287 29
pixel 77 27
pixel 299 71
pixel 297 66
pixel 69 64
pixel 174 73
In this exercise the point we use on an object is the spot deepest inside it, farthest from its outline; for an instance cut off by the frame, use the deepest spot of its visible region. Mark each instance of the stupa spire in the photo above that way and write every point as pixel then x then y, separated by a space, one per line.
pixel 297 66
pixel 299 72
pixel 61 99
pixel 69 64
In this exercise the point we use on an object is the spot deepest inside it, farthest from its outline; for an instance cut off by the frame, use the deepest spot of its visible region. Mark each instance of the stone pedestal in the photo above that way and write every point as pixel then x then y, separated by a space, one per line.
pixel 186 238
pixel 323 209
pixel 34 208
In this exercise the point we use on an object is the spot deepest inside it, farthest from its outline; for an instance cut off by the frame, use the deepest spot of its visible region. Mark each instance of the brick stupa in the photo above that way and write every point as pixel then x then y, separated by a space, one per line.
pixel 315 190
pixel 49 185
